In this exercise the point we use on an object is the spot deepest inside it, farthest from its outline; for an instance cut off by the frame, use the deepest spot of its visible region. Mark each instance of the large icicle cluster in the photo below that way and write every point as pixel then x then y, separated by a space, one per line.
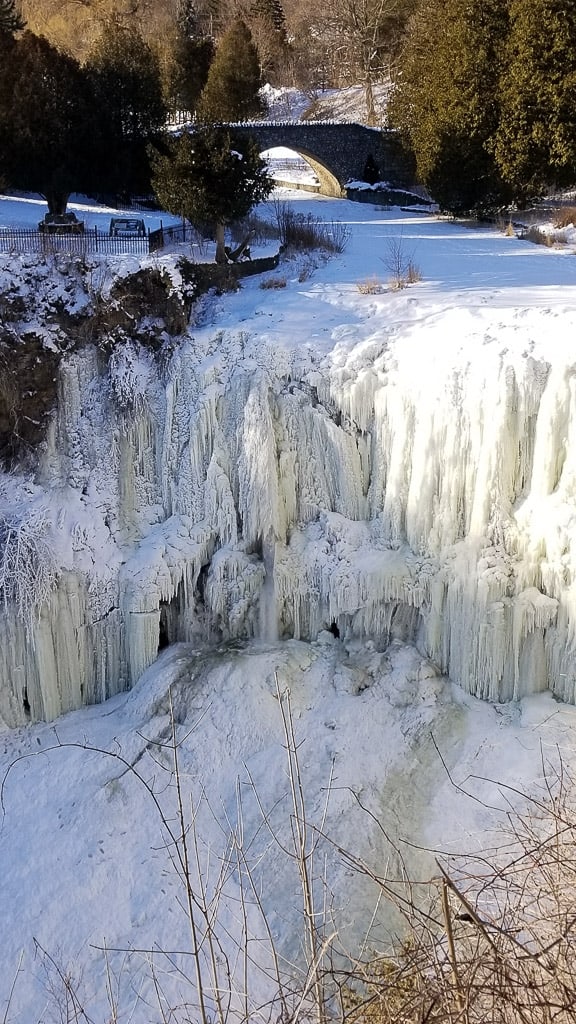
pixel 237 490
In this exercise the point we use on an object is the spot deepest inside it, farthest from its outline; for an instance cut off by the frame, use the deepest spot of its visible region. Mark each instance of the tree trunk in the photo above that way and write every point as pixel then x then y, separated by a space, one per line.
pixel 370 106
pixel 57 201
pixel 220 253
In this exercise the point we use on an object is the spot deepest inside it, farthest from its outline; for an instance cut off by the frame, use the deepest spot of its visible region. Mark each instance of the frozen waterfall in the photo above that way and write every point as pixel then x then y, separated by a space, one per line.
pixel 419 492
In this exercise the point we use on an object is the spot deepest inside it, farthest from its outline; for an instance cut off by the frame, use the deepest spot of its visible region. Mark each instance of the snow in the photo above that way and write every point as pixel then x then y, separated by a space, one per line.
pixel 25 211
pixel 327 104
pixel 397 466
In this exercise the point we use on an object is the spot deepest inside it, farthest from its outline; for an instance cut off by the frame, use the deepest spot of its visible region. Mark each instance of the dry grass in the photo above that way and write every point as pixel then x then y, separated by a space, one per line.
pixel 370 286
pixel 506 227
pixel 413 273
pixel 566 217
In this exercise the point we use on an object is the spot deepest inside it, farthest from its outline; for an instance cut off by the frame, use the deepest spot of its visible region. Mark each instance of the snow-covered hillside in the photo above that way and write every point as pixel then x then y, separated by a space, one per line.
pixel 327 105
pixel 330 487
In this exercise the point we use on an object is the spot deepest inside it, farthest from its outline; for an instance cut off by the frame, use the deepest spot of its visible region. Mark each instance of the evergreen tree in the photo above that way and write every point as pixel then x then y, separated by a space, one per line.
pixel 209 176
pixel 231 91
pixel 10 19
pixel 129 107
pixel 536 140
pixel 191 57
pixel 445 100
pixel 45 141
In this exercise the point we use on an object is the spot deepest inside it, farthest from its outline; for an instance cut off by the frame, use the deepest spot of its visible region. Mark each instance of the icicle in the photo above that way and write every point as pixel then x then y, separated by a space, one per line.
pixel 388 488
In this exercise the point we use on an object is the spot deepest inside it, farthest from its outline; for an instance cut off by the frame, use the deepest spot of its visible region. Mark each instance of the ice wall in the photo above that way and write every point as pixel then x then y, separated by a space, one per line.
pixel 235 490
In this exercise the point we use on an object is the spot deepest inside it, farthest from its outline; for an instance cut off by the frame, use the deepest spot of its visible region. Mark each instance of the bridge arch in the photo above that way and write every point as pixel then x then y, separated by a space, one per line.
pixel 328 184
pixel 336 151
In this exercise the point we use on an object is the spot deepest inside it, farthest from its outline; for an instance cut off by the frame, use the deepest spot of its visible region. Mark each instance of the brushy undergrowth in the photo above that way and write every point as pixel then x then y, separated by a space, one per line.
pixel 565 217
pixel 304 231
pixel 537 236
pixel 259 230
pixel 488 936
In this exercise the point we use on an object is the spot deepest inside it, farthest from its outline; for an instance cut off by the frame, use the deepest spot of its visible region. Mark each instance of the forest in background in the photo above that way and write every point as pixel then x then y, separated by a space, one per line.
pixel 328 44
pixel 482 91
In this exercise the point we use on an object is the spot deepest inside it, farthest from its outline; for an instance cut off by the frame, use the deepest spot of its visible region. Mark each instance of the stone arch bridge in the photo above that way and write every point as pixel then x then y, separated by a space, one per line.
pixel 336 151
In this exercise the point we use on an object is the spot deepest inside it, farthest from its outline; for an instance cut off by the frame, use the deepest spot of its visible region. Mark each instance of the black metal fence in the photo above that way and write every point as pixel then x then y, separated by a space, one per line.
pixel 169 236
pixel 24 240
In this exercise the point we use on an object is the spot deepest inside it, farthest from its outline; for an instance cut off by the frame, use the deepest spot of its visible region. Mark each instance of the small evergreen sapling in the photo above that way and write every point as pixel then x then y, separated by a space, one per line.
pixel 209 176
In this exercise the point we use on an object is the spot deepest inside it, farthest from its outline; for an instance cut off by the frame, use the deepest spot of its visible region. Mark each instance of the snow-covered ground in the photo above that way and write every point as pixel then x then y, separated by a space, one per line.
pixel 26 211
pixel 85 861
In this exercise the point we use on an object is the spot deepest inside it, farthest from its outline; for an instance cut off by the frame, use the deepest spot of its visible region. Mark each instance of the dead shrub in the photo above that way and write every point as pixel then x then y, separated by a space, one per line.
pixel 505 226
pixel 565 217
pixel 260 230
pixel 413 273
pixel 496 940
pixel 400 263
pixel 307 268
pixel 304 231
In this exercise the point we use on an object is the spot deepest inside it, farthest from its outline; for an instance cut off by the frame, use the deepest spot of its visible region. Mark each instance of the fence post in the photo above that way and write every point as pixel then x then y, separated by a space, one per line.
pixel 96 237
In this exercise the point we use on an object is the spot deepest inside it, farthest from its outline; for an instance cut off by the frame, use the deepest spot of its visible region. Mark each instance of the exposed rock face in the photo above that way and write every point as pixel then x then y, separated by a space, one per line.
pixel 54 309
pixel 28 391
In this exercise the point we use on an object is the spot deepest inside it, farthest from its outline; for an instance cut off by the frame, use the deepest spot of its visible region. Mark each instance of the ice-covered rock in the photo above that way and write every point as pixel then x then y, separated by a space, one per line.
pixel 433 506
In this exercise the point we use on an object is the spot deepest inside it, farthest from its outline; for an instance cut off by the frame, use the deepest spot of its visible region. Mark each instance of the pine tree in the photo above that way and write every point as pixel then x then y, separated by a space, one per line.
pixel 10 19
pixel 129 107
pixel 445 100
pixel 209 176
pixel 192 57
pixel 536 139
pixel 234 80
pixel 45 137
